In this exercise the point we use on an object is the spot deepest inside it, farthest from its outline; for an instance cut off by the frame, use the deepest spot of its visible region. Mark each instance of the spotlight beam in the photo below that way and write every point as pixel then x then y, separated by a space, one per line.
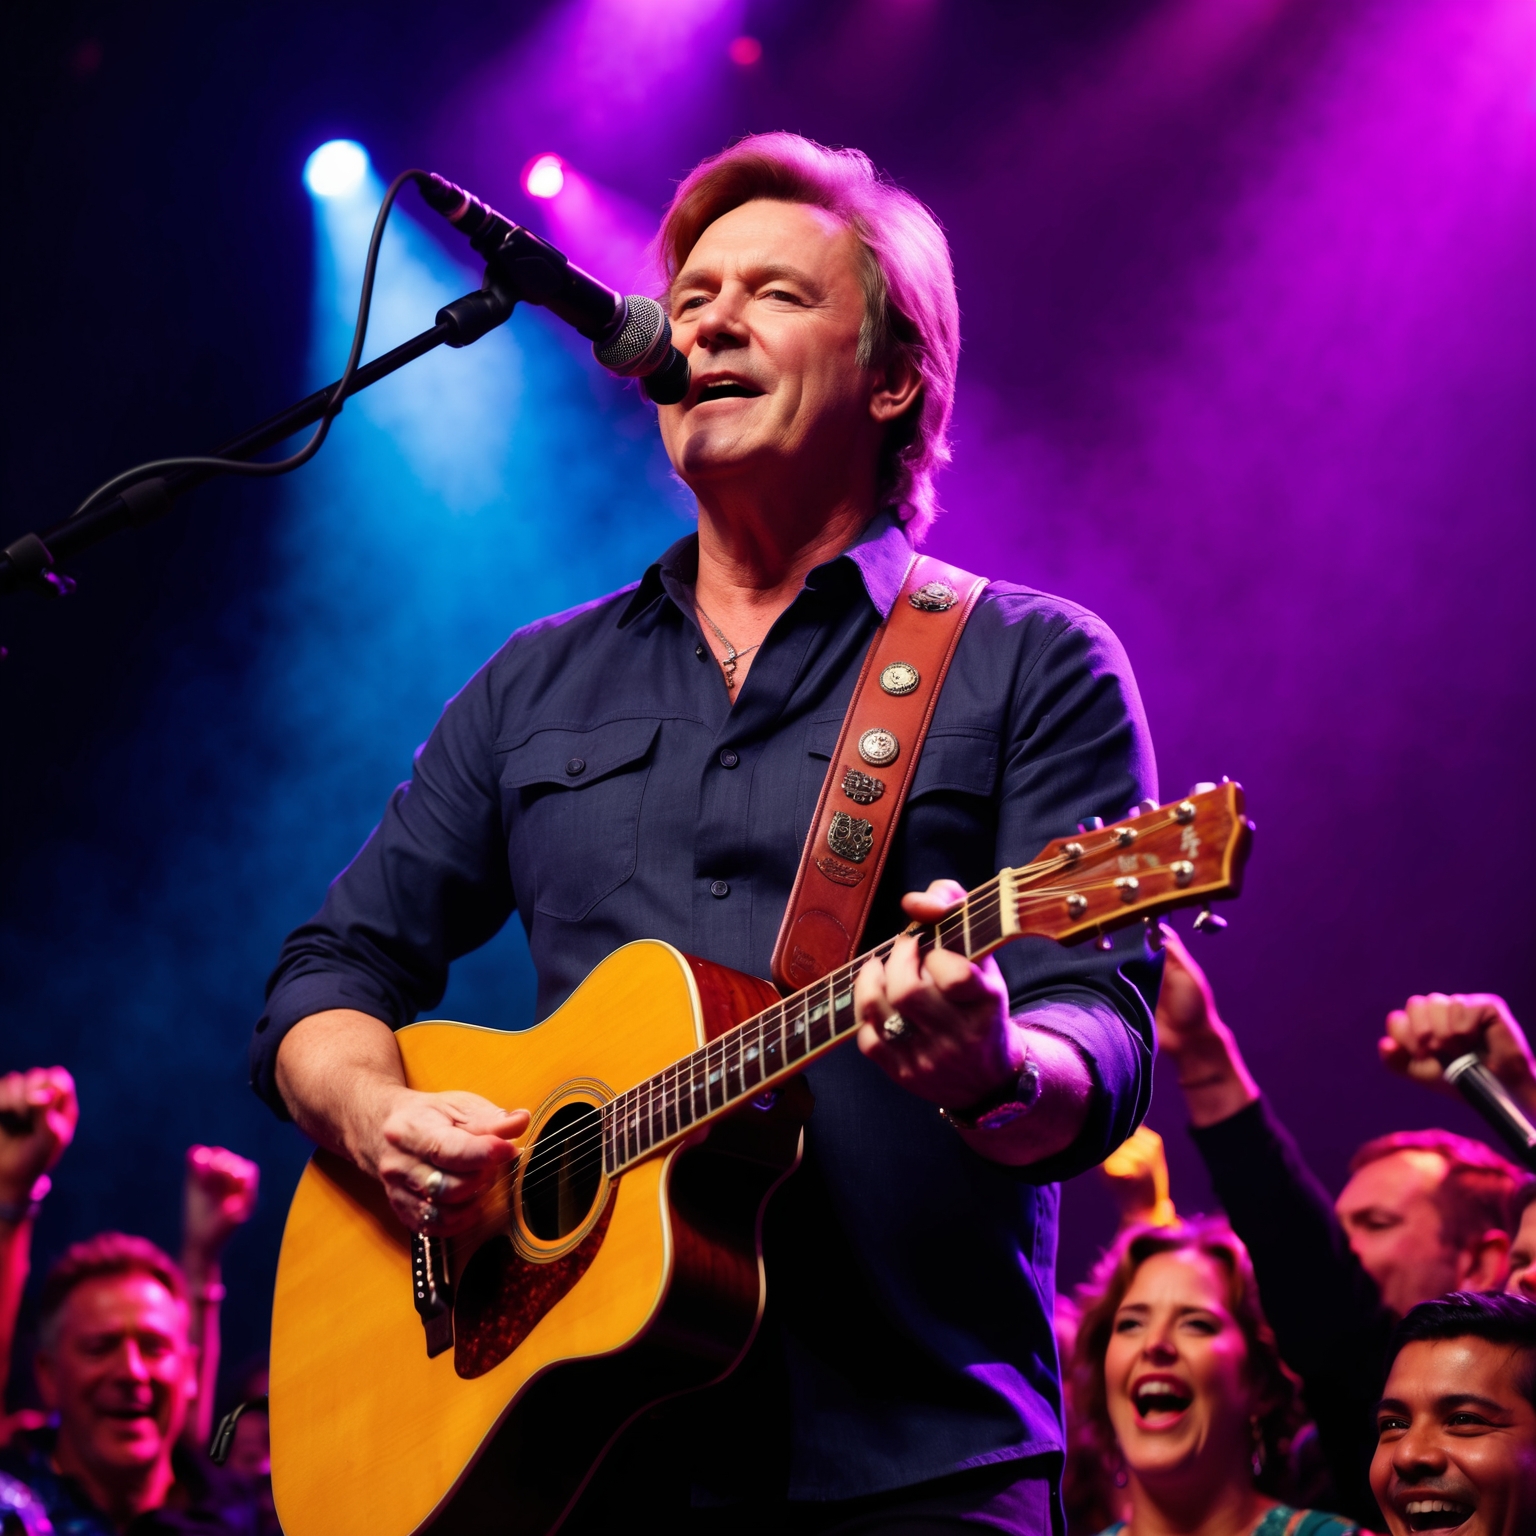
pixel 31 559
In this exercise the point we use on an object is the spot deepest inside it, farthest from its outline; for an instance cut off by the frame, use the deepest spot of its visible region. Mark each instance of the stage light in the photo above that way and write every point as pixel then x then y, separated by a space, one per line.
pixel 544 176
pixel 745 51
pixel 337 169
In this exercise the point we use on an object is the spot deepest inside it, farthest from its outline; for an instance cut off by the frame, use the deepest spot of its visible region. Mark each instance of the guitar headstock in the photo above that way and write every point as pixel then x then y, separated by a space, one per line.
pixel 1188 851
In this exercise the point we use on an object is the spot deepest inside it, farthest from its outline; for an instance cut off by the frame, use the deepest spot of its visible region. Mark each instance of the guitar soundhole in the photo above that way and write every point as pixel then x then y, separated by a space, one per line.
pixel 564 1170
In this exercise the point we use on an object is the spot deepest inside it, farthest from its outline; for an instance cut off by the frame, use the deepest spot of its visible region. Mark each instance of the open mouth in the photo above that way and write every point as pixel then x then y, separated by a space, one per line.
pixel 1160 1403
pixel 728 389
pixel 1435 1514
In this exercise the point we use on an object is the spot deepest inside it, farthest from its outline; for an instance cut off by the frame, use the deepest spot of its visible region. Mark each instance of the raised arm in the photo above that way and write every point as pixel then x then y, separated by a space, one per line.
pixel 1429 1032
pixel 38 1115
pixel 218 1197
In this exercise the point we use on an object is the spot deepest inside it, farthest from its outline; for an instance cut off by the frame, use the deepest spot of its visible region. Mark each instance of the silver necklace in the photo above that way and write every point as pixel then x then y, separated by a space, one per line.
pixel 732 655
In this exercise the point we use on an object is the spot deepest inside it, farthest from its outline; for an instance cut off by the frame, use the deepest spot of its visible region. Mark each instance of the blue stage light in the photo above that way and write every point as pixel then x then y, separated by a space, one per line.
pixel 337 169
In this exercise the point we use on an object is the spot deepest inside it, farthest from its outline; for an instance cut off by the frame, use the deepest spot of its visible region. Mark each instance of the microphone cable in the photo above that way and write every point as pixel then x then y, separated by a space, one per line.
pixel 222 466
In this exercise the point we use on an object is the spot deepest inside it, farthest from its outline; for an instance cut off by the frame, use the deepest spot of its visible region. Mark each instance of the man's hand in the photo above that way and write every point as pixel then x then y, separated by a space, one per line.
pixel 1211 1070
pixel 437 1153
pixel 38 1115
pixel 1428 1033
pixel 341 1076
pixel 218 1198
pixel 957 1044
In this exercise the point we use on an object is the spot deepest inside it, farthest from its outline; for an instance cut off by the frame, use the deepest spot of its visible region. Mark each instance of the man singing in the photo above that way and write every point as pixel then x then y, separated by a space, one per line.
pixel 647 765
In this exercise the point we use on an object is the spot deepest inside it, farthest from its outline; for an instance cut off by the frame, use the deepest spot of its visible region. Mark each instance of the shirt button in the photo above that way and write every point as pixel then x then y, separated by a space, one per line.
pixel 719 888
pixel 728 759
pixel 575 766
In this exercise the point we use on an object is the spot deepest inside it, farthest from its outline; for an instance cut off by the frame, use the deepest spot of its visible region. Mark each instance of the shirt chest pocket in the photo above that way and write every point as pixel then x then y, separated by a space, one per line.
pixel 573 808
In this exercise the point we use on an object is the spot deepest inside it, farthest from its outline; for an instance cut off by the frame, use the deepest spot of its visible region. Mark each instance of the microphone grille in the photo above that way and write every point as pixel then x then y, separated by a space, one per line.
pixel 642 342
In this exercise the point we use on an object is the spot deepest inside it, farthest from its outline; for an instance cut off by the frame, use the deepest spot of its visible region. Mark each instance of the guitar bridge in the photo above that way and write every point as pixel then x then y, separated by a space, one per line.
pixel 433 1291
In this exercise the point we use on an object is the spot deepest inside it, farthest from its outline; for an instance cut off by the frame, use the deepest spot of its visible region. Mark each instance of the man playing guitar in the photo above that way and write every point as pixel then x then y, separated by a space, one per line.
pixel 646 766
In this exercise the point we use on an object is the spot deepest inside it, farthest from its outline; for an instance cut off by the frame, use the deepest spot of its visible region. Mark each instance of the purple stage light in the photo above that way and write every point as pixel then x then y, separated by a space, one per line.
pixel 544 176
pixel 745 51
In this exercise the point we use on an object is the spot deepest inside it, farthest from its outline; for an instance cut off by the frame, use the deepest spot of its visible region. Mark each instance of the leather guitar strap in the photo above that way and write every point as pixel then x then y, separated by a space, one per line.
pixel 872 770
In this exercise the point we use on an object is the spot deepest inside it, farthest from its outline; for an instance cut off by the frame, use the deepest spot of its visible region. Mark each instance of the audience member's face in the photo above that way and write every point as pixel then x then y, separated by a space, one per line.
pixel 1389 1213
pixel 1175 1374
pixel 120 1372
pixel 1522 1257
pixel 1457 1447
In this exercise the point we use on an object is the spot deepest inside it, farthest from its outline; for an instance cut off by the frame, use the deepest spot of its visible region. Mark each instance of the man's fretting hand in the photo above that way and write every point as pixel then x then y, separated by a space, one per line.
pixel 1211 1070
pixel 958 1045
pixel 1428 1033
pixel 38 1115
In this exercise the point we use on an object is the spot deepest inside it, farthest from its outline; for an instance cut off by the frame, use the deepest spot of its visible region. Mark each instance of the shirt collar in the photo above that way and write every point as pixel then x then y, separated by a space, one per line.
pixel 880 555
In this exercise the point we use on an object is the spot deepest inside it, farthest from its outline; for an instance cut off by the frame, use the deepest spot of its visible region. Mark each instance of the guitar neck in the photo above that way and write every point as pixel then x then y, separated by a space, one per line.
pixel 777 1043
pixel 1105 877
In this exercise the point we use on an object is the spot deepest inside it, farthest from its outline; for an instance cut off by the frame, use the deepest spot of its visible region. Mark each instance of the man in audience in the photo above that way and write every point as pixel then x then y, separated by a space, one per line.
pixel 129 1341
pixel 117 1366
pixel 1457 1421
pixel 1423 1213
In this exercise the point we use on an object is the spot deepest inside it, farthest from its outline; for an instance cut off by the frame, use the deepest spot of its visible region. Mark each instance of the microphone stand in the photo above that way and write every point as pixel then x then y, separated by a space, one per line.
pixel 31 561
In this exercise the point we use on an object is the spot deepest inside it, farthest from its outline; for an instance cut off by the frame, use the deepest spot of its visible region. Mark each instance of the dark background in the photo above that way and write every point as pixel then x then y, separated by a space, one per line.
pixel 1249 367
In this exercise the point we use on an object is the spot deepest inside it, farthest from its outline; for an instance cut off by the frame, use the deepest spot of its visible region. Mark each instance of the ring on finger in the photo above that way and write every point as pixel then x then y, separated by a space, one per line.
pixel 435 1181
pixel 894 1027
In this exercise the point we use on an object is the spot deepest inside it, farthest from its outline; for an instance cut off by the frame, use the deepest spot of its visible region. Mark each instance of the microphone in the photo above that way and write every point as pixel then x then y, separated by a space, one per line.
pixel 631 336
pixel 1491 1099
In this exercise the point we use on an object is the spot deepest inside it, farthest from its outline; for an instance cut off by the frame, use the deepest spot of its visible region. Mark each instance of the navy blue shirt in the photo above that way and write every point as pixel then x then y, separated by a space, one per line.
pixel 595 777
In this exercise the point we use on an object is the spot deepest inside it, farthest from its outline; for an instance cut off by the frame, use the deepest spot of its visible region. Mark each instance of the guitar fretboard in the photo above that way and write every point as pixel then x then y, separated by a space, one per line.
pixel 747 1060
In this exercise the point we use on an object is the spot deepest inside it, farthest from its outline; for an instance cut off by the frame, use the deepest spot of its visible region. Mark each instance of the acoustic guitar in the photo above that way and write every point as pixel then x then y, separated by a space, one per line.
pixel 473 1383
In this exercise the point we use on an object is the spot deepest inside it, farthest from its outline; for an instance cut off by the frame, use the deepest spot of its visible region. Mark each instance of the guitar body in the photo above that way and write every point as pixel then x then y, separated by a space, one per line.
pixel 579 1301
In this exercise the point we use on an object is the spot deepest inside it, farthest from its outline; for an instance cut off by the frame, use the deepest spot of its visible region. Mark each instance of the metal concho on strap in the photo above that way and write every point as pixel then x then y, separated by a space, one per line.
pixel 871 771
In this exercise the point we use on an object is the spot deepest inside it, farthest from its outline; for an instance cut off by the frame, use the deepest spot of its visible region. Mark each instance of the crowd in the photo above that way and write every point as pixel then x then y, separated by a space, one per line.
pixel 127 1352
pixel 1304 1366
pixel 1299 1366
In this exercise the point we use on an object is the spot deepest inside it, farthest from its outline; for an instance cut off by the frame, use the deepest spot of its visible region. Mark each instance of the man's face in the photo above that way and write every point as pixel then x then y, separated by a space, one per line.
pixel 1457 1446
pixel 1522 1257
pixel 1388 1211
pixel 767 310
pixel 120 1373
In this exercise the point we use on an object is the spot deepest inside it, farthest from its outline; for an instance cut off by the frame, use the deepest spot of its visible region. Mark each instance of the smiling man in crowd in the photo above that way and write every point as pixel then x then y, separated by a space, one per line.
pixel 1457 1423
pixel 116 1364
pixel 1423 1213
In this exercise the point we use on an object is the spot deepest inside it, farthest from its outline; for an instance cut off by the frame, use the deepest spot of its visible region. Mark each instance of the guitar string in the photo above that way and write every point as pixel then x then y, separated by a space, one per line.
pixel 981 905
pixel 578 1142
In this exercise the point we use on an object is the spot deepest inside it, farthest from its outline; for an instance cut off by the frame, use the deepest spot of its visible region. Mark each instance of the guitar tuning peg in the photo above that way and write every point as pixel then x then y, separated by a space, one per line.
pixel 1209 922
pixel 1204 787
pixel 1104 943
pixel 1092 824
pixel 1154 934
pixel 1149 804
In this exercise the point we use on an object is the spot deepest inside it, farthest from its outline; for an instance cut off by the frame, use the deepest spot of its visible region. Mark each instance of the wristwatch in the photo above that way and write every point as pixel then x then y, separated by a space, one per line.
pixel 1017 1098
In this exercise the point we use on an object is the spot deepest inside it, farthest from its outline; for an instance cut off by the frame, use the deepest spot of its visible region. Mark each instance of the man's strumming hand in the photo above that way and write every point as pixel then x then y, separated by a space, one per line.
pixel 1211 1070
pixel 462 1135
pixel 341 1076
pixel 959 1046
pixel 1429 1032
pixel 38 1115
